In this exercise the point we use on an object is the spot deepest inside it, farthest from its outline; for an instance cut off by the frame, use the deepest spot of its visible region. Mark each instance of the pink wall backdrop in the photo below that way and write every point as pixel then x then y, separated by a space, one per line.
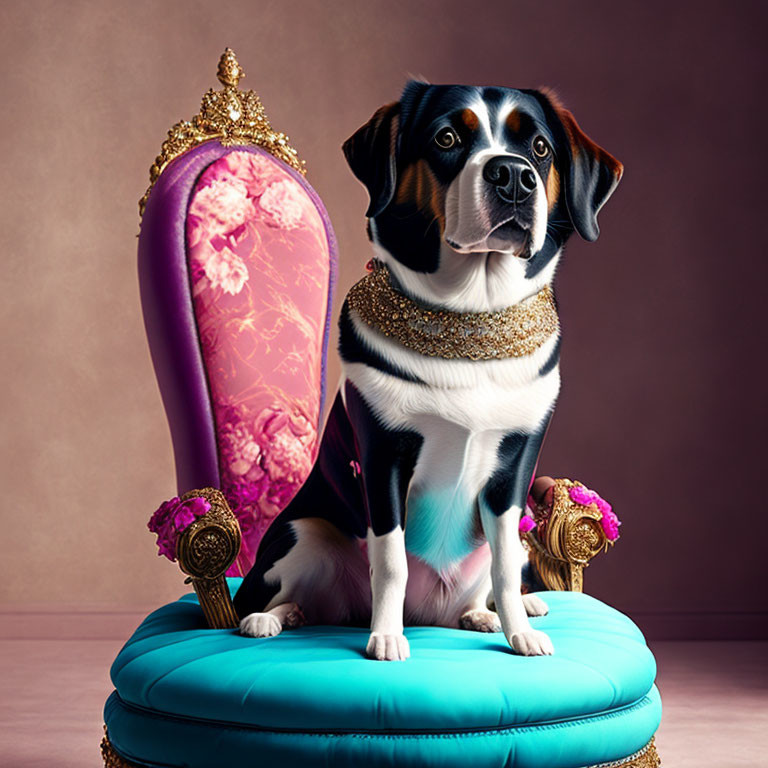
pixel 663 406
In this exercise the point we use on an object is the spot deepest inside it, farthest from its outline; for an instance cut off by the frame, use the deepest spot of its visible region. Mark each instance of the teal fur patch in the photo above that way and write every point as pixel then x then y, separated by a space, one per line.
pixel 439 526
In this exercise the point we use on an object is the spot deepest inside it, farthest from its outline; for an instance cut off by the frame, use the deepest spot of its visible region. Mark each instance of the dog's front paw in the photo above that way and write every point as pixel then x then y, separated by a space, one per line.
pixel 387 647
pixel 531 642
pixel 260 625
pixel 480 621
pixel 535 606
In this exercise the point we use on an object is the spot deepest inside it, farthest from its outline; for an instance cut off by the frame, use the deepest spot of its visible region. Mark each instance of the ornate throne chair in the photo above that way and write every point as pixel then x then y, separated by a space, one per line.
pixel 236 264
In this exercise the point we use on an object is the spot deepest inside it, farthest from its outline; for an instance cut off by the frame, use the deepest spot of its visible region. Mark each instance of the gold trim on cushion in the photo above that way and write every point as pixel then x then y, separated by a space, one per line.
pixel 205 550
pixel 110 757
pixel 516 331
pixel 565 539
pixel 230 116
pixel 647 757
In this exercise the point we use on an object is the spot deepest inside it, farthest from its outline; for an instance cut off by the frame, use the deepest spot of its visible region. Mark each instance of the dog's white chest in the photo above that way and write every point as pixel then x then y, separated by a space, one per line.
pixel 441 525
pixel 508 395
pixel 462 411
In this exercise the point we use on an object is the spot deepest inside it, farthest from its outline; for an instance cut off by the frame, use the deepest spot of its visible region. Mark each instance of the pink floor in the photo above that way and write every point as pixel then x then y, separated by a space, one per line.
pixel 715 703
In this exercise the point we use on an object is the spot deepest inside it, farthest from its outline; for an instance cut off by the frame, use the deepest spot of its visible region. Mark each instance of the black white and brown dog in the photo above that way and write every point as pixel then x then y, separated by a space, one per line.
pixel 411 512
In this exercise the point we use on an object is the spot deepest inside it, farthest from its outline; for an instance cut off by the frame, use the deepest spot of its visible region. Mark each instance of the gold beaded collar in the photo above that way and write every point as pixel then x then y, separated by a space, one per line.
pixel 516 331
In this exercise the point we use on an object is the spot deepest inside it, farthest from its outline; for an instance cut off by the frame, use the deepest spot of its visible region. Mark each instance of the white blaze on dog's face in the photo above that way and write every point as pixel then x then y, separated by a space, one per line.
pixel 474 191
pixel 498 200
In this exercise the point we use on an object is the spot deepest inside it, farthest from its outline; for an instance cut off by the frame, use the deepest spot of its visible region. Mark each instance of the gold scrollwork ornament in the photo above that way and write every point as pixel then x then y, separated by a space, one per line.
pixel 230 116
pixel 205 550
pixel 565 539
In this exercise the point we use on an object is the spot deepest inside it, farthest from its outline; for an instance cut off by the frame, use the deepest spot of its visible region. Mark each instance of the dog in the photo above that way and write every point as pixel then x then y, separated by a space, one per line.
pixel 450 374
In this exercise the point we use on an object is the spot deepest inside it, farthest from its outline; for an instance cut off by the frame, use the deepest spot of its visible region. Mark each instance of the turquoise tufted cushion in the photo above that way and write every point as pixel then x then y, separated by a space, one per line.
pixel 187 695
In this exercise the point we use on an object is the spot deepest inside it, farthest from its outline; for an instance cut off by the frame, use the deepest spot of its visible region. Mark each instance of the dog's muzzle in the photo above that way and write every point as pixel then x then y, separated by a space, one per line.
pixel 513 179
pixel 496 203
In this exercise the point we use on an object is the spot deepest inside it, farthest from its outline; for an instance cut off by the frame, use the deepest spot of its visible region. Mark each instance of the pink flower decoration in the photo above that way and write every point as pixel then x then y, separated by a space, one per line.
pixel 268 459
pixel 527 523
pixel 171 518
pixel 286 456
pixel 283 202
pixel 223 204
pixel 253 170
pixel 240 448
pixel 225 270
pixel 609 520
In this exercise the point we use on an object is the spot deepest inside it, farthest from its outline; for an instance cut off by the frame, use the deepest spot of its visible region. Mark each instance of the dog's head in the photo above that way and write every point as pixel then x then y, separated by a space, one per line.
pixel 460 171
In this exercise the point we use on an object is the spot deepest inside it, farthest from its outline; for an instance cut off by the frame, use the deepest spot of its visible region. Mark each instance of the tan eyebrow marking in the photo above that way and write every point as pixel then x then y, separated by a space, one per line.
pixel 513 121
pixel 470 119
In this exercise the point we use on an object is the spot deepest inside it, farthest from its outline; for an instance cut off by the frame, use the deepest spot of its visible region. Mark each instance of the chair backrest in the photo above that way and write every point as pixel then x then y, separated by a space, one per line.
pixel 237 262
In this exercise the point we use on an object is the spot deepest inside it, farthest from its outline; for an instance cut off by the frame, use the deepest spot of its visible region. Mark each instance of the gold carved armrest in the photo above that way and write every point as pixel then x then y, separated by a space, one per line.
pixel 205 550
pixel 566 537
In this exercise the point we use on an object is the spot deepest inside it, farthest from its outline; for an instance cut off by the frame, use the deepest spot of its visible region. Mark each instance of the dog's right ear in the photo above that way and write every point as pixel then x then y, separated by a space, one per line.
pixel 370 152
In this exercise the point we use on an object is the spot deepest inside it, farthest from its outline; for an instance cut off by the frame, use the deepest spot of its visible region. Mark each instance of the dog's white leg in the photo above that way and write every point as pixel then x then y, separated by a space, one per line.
pixel 271 622
pixel 480 620
pixel 389 575
pixel 477 616
pixel 508 555
pixel 534 605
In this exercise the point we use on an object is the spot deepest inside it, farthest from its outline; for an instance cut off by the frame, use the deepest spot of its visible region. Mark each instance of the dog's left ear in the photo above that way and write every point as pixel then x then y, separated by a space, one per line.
pixel 370 152
pixel 590 173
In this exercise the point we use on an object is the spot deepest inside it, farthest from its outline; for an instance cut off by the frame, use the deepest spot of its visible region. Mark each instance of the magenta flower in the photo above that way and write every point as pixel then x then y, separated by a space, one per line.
pixel 171 518
pixel 610 523
pixel 609 520
pixel 527 523
pixel 583 495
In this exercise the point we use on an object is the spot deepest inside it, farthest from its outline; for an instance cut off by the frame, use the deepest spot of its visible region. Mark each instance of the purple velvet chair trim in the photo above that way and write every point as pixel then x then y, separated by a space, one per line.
pixel 169 316
pixel 170 321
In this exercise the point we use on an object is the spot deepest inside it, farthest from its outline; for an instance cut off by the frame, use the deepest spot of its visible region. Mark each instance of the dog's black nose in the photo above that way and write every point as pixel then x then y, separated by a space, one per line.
pixel 513 178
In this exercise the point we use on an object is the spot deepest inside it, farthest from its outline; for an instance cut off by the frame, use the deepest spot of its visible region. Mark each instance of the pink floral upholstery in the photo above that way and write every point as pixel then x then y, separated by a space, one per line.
pixel 259 265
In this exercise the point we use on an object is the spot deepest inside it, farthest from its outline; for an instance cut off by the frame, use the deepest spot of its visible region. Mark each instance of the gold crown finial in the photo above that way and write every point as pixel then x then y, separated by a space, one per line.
pixel 230 116
pixel 230 72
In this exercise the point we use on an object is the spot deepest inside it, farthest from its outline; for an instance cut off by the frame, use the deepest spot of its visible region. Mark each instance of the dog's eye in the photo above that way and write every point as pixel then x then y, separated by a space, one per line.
pixel 540 147
pixel 447 138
